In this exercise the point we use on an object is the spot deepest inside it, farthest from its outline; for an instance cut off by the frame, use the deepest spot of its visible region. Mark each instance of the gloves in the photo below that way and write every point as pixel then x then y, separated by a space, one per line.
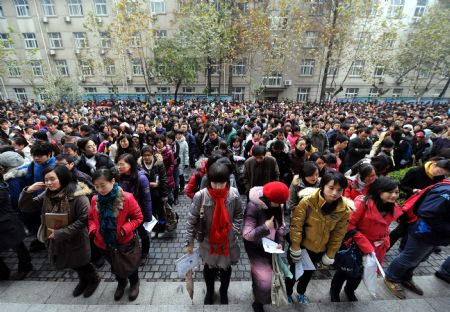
pixel 296 255
pixel 327 261
pixel 189 249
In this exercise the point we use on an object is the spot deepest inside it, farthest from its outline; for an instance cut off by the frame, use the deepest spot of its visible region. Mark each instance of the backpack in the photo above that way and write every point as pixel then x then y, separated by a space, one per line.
pixel 171 217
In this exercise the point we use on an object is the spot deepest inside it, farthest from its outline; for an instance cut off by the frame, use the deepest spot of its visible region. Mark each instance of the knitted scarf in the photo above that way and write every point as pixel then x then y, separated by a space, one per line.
pixel 220 225
pixel 108 224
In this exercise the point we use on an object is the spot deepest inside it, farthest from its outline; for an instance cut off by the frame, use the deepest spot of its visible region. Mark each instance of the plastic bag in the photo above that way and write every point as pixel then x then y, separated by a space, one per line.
pixel 370 273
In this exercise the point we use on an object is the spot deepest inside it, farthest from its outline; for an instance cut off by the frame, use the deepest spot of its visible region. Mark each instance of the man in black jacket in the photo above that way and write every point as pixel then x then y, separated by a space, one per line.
pixel 358 148
pixel 90 160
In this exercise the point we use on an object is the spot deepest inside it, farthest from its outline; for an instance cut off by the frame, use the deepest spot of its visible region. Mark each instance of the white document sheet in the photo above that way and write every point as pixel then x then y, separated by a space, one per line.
pixel 305 264
pixel 270 246
pixel 148 226
pixel 187 262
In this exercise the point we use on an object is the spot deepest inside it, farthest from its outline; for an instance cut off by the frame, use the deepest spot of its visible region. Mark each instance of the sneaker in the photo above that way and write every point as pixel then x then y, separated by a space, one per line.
pixel 154 235
pixel 411 285
pixel 443 277
pixel 164 234
pixel 302 299
pixel 395 288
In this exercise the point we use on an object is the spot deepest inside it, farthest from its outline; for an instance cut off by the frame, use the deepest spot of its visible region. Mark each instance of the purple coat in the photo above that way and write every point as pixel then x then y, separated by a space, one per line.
pixel 253 231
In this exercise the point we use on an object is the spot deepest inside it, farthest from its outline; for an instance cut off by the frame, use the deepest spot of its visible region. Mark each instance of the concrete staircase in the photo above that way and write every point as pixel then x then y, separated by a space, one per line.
pixel 35 296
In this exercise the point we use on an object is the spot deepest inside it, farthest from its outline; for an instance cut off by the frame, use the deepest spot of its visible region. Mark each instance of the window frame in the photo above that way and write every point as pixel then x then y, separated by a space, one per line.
pixel 5 39
pixel 395 9
pixel 86 69
pixel 137 64
pixel 62 64
pixel 303 95
pixel 75 9
pixel 396 93
pixel 28 40
pixel 47 6
pixel 310 41
pixel 80 43
pixel 90 90
pixel 159 90
pixel 353 94
pixel 153 7
pixel 356 69
pixel 100 6
pixel 105 40
pixel 24 94
pixel 239 96
pixel 239 68
pixel 53 40
pixel 13 65
pixel 36 68
pixel 307 70
pixel 22 7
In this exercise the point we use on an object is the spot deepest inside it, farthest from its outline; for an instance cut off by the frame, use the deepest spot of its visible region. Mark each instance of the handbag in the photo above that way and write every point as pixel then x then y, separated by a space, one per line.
pixel 171 217
pixel 125 259
pixel 278 293
pixel 349 260
pixel 201 222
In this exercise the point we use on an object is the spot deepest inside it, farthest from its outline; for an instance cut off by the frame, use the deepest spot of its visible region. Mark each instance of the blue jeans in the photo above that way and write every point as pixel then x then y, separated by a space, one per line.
pixel 445 267
pixel 402 267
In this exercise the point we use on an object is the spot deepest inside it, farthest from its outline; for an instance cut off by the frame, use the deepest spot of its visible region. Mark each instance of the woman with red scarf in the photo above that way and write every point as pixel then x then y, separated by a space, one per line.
pixel 222 223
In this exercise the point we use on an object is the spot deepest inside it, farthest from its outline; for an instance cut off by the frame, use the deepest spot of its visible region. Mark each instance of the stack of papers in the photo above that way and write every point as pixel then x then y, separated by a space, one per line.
pixel 305 264
pixel 187 262
pixel 148 226
pixel 270 246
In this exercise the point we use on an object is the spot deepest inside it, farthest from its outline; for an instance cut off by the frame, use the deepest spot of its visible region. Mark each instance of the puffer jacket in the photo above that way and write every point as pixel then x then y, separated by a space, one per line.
pixel 234 208
pixel 17 181
pixel 159 170
pixel 297 185
pixel 183 155
pixel 316 231
pixel 169 163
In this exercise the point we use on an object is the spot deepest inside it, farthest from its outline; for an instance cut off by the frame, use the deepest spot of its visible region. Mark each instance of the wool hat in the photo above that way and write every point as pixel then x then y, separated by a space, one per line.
pixel 420 134
pixel 11 159
pixel 276 192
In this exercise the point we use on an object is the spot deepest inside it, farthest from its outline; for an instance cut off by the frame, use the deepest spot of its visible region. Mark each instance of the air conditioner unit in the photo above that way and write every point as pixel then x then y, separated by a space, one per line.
pixel 288 82
pixel 99 20
pixel 45 19
pixel 102 51
pixel 67 19
pixel 82 78
pixel 52 52
pixel 77 51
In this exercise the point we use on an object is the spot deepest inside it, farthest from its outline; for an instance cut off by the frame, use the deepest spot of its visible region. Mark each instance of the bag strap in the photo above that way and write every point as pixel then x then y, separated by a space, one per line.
pixel 350 234
pixel 202 209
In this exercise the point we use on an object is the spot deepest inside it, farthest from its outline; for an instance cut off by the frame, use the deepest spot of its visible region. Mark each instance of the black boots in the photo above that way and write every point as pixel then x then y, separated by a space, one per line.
pixel 225 276
pixel 209 275
pixel 336 286
pixel 120 290
pixel 134 292
pixel 93 280
pixel 89 281
pixel 82 283
pixel 257 307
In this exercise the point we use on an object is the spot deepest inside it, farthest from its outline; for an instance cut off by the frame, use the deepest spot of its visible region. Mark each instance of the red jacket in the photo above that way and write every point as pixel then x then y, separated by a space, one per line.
pixel 129 217
pixel 353 189
pixel 373 228
pixel 192 186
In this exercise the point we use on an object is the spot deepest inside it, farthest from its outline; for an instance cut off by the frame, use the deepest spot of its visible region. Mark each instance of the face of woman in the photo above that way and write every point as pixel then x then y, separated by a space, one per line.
pixel 312 179
pixel 236 144
pixel 218 185
pixel 147 157
pixel 370 178
pixel 90 148
pixel 103 187
pixel 320 163
pixel 51 181
pixel 332 191
pixel 160 144
pixel 136 141
pixel 301 145
pixel 124 143
pixel 438 171
pixel 390 197
pixel 123 167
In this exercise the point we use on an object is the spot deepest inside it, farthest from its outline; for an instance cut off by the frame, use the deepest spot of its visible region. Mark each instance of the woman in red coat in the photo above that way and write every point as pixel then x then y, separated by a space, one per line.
pixel 362 175
pixel 113 219
pixel 372 217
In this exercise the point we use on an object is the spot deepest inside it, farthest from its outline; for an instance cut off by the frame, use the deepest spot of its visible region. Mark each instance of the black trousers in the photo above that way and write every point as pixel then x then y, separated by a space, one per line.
pixel 400 232
pixel 303 281
pixel 133 278
pixel 24 261
pixel 145 239
pixel 339 279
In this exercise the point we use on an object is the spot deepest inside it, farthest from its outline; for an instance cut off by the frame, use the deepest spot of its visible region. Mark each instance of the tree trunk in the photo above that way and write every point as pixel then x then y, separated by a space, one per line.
pixel 220 75
pixel 177 87
pixel 447 84
pixel 323 85
pixel 230 79
pixel 208 85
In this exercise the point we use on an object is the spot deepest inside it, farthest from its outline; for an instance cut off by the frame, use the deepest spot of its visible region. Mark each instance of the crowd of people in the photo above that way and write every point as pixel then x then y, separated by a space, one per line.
pixel 109 167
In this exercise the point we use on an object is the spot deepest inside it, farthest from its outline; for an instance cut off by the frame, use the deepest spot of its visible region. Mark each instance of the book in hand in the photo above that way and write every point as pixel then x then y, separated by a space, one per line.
pixel 56 220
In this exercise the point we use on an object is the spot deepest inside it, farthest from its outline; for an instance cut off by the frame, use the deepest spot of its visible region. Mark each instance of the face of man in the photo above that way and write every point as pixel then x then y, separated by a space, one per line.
pixel 316 129
pixel 259 159
pixel 363 136
pixel 5 126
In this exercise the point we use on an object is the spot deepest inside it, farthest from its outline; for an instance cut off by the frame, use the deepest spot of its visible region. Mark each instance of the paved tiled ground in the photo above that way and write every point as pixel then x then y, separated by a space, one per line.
pixel 164 252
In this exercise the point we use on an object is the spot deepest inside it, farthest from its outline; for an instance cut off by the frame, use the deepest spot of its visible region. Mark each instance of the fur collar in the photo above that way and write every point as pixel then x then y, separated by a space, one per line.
pixel 157 160
pixel 117 204
pixel 82 190
pixel 254 196
pixel 17 172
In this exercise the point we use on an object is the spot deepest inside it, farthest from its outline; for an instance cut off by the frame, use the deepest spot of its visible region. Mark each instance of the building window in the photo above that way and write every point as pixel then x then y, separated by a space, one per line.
pixel 397 92
pixel 317 7
pixel 238 93
pixel 158 7
pixel 332 68
pixel 75 8
pixel 55 40
pixel 356 68
pixel 13 69
pixel 105 40
pixel 215 69
pixel 110 67
pixel 424 73
pixel 139 89
pixel 100 8
pixel 36 68
pixel 80 40
pixel 114 90
pixel 379 71
pixel 90 90
pixel 188 90
pixel 5 41
pixel 389 40
pixel 135 41
pixel 21 94
pixel 278 22
pixel 61 66
pixel 162 90
pixel 351 92
pixel 363 40
pixel 274 80
pixel 214 90
pixel 42 95
pixel 373 92
pixel 239 68
pixel 307 67
pixel 86 69
pixel 310 39
pixel 161 34
pixel 420 8
pixel 396 8
pixel 30 40
pixel 48 7
pixel 303 94
pixel 243 6
pixel 22 8
pixel 137 68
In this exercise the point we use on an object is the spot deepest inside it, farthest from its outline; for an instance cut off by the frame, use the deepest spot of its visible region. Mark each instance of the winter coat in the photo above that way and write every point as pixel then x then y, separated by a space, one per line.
pixel 12 230
pixel 128 218
pixel 258 174
pixel 357 149
pixel 320 141
pixel 102 162
pixel 169 163
pixel 234 208
pixel 34 171
pixel 433 224
pixel 184 155
pixel 355 186
pixel 70 247
pixel 296 186
pixel 417 178
pixel 192 144
pixel 254 230
pixel 210 145
pixel 159 170
pixel 298 159
pixel 16 179
pixel 287 146
pixel 372 227
pixel 316 231
pixel 196 178
pixel 200 139
pixel 141 193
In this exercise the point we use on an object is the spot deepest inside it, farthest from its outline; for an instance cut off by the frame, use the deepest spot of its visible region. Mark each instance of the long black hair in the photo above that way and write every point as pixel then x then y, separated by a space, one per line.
pixel 65 177
pixel 134 171
pixel 382 184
